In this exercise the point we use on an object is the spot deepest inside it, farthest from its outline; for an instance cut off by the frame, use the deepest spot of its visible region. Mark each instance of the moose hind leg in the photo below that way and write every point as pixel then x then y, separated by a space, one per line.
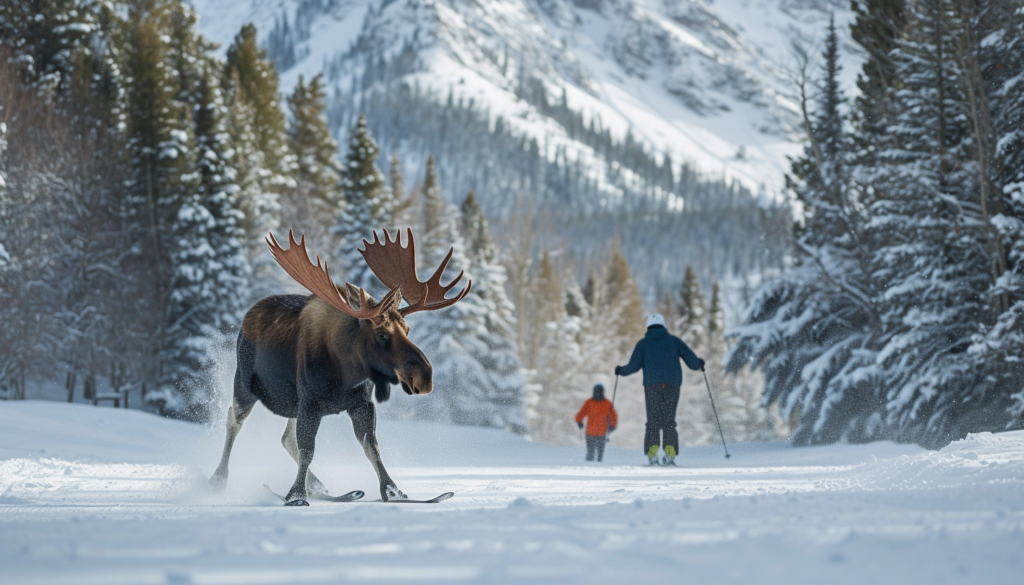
pixel 364 423
pixel 306 426
pixel 236 416
pixel 291 444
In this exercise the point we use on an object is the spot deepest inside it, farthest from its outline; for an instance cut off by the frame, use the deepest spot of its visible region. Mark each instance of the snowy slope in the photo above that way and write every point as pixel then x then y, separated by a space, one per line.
pixel 707 81
pixel 96 495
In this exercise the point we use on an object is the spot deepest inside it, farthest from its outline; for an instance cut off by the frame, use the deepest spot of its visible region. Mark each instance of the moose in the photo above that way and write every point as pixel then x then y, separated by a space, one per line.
pixel 305 357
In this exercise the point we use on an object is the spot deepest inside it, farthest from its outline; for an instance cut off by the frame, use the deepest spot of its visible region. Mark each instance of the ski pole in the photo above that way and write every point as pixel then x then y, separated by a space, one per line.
pixel 615 390
pixel 715 410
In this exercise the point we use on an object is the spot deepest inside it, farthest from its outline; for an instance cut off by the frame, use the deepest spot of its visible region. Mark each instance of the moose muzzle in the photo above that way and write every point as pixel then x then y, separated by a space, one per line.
pixel 418 379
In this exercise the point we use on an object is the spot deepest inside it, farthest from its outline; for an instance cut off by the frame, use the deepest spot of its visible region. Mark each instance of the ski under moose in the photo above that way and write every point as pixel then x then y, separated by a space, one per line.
pixel 355 496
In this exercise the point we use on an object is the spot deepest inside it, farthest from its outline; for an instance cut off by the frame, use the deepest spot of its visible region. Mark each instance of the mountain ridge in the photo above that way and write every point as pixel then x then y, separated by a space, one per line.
pixel 705 82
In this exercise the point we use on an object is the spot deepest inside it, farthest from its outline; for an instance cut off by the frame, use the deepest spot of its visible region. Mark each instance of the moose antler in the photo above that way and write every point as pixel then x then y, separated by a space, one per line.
pixel 295 261
pixel 395 266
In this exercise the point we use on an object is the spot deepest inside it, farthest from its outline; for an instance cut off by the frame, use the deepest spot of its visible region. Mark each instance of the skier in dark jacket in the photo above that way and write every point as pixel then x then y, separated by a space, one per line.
pixel 658 355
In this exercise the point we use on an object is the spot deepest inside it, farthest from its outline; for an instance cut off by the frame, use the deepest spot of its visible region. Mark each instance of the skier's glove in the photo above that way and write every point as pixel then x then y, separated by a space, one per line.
pixel 618 370
pixel 580 425
pixel 702 362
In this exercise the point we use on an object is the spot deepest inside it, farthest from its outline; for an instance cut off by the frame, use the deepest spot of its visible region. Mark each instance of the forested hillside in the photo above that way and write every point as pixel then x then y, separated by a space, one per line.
pixel 902 316
pixel 142 167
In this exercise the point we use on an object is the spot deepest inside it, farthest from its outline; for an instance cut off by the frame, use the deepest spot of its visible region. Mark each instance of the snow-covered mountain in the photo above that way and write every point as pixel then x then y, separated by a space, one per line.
pixel 706 81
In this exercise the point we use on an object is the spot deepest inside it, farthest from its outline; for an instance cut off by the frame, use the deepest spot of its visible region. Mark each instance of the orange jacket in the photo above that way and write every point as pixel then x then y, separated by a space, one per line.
pixel 600 415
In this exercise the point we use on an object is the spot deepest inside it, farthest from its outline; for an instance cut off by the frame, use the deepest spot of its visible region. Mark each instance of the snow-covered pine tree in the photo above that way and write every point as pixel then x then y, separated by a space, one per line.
pixel 363 203
pixel 691 318
pixel 469 388
pixel 47 39
pixel 504 387
pixel 433 201
pixel 876 28
pixel 317 169
pixel 262 156
pixel 668 308
pixel 191 313
pixel 161 150
pixel 1000 348
pixel 691 325
pixel 258 83
pixel 934 260
pixel 813 330
pixel 406 211
pixel 556 353
pixel 220 192
pixel 260 209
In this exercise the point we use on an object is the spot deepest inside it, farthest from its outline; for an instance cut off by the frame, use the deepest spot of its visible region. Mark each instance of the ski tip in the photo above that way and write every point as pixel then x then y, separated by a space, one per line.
pixel 279 496
pixel 433 500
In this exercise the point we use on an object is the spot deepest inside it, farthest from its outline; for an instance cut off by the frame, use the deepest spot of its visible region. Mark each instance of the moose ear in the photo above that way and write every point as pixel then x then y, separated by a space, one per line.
pixel 354 298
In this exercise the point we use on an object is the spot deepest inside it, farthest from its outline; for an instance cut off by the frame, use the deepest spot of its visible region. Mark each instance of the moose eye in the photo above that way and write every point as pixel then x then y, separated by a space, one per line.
pixel 382 336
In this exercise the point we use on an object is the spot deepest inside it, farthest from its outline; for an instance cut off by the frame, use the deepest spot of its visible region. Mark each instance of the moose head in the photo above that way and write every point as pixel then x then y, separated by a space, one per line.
pixel 383 341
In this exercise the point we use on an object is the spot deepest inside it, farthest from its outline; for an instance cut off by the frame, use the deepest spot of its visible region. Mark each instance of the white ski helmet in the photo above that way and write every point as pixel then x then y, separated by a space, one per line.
pixel 656 319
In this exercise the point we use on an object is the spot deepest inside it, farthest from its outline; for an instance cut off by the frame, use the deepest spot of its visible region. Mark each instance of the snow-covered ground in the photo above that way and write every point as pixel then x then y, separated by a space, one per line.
pixel 97 495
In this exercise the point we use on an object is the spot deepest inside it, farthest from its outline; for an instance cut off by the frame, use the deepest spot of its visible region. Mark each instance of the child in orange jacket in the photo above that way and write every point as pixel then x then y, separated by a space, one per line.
pixel 601 420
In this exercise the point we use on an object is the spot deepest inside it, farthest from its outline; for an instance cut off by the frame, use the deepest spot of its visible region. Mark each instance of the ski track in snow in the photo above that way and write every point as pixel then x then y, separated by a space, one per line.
pixel 96 495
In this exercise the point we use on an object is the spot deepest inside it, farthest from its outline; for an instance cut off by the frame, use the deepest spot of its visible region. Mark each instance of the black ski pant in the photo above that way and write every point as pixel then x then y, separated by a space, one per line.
pixel 661 401
pixel 595 445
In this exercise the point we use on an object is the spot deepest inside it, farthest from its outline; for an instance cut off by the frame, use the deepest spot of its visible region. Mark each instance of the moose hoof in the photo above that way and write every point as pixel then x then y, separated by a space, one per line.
pixel 392 493
pixel 296 503
pixel 218 482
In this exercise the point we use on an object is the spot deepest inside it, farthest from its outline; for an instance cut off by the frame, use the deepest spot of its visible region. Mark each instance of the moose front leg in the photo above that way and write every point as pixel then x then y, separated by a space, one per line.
pixel 364 423
pixel 291 444
pixel 306 426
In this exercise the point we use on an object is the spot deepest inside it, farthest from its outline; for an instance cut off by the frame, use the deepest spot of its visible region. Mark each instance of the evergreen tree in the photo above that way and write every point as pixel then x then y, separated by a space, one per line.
pixel 220 192
pixel 933 262
pixel 258 202
pixel 477 375
pixel 552 344
pixel 406 211
pixel 433 201
pixel 691 323
pixel 999 347
pixel 362 189
pixel 162 159
pixel 876 29
pixel 814 329
pixel 503 388
pixel 257 83
pixel 262 156
pixel 191 309
pixel 316 170
pixel 311 141
pixel 47 39
pixel 691 319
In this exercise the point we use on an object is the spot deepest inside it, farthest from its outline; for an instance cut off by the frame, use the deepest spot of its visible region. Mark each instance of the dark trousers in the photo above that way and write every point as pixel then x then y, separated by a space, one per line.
pixel 661 404
pixel 595 445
